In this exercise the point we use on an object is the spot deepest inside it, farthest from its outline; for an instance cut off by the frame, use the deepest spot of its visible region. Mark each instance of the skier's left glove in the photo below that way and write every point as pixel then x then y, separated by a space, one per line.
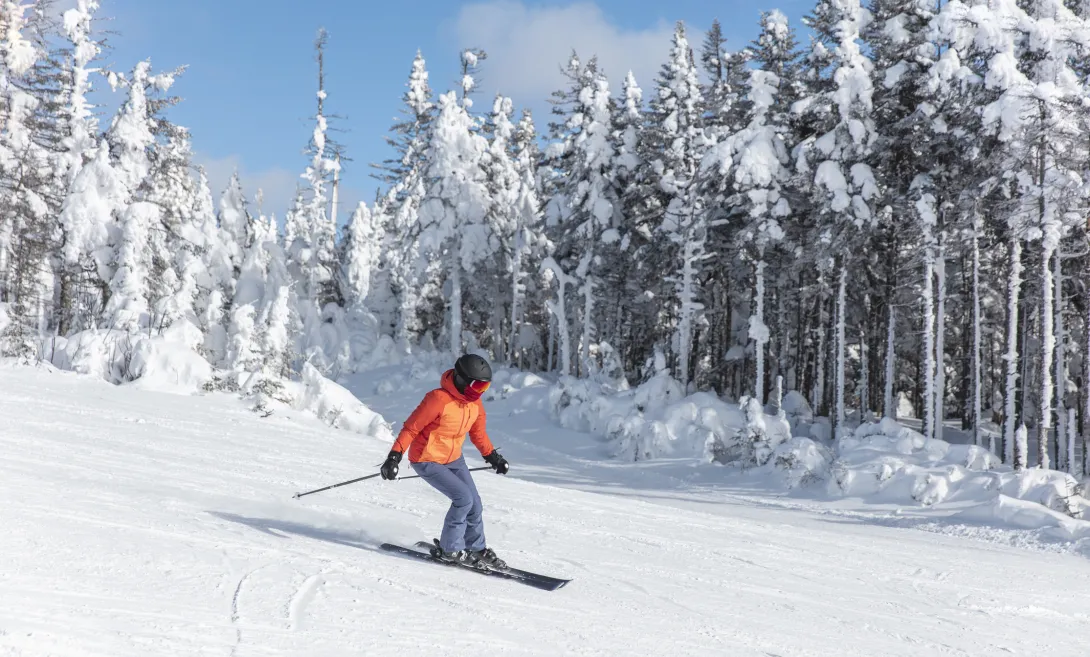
pixel 498 463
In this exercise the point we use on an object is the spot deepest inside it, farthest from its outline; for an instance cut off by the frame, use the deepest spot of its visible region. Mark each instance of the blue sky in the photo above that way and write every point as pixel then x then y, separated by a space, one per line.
pixel 250 85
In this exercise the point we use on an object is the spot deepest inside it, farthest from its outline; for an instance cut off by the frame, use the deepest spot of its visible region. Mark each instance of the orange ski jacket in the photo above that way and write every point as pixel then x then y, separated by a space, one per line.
pixel 435 431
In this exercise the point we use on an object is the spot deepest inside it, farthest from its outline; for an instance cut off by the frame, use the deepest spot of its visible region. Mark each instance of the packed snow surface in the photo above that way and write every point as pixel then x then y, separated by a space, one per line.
pixel 140 522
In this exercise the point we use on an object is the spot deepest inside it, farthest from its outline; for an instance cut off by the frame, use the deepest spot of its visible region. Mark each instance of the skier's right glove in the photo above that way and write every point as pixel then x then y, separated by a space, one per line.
pixel 389 468
pixel 498 463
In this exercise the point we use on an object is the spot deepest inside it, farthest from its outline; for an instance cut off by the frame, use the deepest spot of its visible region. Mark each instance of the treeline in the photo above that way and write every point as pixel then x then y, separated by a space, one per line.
pixel 893 214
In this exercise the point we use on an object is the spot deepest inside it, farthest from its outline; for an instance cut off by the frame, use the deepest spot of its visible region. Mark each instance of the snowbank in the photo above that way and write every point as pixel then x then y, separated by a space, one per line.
pixel 335 405
pixel 172 362
pixel 879 463
pixel 167 362
pixel 886 462
pixel 656 420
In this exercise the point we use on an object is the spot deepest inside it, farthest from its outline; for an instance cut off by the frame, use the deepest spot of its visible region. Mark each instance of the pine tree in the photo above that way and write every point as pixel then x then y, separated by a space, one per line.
pixel 405 175
pixel 453 226
pixel 80 127
pixel 676 136
pixel 27 191
pixel 584 208
pixel 844 187
pixel 312 250
pixel 528 245
pixel 760 170
pixel 1050 185
pixel 363 241
pixel 133 141
pixel 622 280
pixel 492 292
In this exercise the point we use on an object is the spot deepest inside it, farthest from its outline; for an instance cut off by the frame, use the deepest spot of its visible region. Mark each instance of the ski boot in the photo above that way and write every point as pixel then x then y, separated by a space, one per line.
pixel 486 559
pixel 454 558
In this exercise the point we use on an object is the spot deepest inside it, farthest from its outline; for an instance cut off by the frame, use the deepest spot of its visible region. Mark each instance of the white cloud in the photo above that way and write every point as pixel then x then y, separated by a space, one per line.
pixel 278 185
pixel 527 46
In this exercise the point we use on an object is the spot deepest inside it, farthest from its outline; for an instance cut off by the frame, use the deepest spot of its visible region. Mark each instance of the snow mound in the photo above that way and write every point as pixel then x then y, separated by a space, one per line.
pixel 1017 513
pixel 647 422
pixel 335 405
pixel 886 462
pixel 801 462
pixel 656 420
pixel 798 411
pixel 879 463
pixel 166 362
pixel 171 363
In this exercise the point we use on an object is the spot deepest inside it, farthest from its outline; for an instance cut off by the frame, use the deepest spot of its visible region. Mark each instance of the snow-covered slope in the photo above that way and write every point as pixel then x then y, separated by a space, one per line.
pixel 145 523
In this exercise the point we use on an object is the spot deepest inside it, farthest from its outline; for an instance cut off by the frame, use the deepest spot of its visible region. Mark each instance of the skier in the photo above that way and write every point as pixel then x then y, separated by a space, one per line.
pixel 434 434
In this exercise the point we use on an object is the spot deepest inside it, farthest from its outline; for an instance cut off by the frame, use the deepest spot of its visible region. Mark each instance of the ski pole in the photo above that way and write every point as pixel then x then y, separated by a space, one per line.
pixel 343 483
pixel 378 474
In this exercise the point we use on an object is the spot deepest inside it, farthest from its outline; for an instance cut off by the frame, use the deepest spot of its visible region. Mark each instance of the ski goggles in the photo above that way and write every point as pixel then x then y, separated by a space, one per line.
pixel 479 387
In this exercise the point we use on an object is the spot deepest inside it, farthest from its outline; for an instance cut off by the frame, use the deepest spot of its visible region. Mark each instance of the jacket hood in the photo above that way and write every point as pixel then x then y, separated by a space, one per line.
pixel 447 383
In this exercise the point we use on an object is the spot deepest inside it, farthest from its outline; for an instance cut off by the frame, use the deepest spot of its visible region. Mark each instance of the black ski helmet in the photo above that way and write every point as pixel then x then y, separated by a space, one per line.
pixel 471 367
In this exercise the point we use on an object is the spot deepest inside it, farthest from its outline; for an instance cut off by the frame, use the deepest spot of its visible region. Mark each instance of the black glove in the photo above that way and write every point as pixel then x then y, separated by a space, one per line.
pixel 389 468
pixel 498 463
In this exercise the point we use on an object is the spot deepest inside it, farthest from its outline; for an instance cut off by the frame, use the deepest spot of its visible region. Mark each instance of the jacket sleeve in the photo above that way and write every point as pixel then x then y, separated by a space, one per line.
pixel 426 413
pixel 479 434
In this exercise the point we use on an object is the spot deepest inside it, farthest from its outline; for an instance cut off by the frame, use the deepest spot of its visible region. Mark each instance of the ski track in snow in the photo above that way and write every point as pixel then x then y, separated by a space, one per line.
pixel 298 605
pixel 140 523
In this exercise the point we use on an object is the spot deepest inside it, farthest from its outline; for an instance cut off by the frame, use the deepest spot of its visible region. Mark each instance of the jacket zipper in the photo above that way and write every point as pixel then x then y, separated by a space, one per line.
pixel 460 436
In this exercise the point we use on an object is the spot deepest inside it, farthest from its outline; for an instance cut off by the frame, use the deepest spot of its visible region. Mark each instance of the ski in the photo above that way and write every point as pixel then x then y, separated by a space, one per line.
pixel 535 580
pixel 552 582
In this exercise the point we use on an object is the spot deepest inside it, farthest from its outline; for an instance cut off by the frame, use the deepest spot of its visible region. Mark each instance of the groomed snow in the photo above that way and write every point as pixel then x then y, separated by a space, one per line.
pixel 145 523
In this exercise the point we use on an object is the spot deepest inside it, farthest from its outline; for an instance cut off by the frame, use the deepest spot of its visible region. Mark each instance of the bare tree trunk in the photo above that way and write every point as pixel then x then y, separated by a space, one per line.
pixel 889 409
pixel 841 348
pixel 977 410
pixel 758 331
pixel 929 340
pixel 1048 349
pixel 819 374
pixel 1014 286
pixel 1061 364
pixel 940 341
pixel 1086 397
pixel 336 193
pixel 864 362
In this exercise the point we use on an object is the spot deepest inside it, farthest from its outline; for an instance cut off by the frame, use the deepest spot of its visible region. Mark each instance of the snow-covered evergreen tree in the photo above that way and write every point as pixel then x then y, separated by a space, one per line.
pixel 363 240
pixel 583 212
pixel 677 137
pixel 452 218
pixel 27 189
pixel 493 290
pixel 405 175
pixel 760 169
pixel 528 245
pixel 844 187
pixel 310 232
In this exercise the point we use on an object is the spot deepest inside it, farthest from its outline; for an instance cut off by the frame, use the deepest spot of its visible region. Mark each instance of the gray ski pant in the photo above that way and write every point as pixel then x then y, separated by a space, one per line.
pixel 463 528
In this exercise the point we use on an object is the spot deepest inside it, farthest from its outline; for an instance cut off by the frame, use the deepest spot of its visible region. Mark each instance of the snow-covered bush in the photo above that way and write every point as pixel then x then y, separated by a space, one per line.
pixel 801 462
pixel 169 361
pixel 753 444
pixel 886 462
pixel 798 413
pixel 335 405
